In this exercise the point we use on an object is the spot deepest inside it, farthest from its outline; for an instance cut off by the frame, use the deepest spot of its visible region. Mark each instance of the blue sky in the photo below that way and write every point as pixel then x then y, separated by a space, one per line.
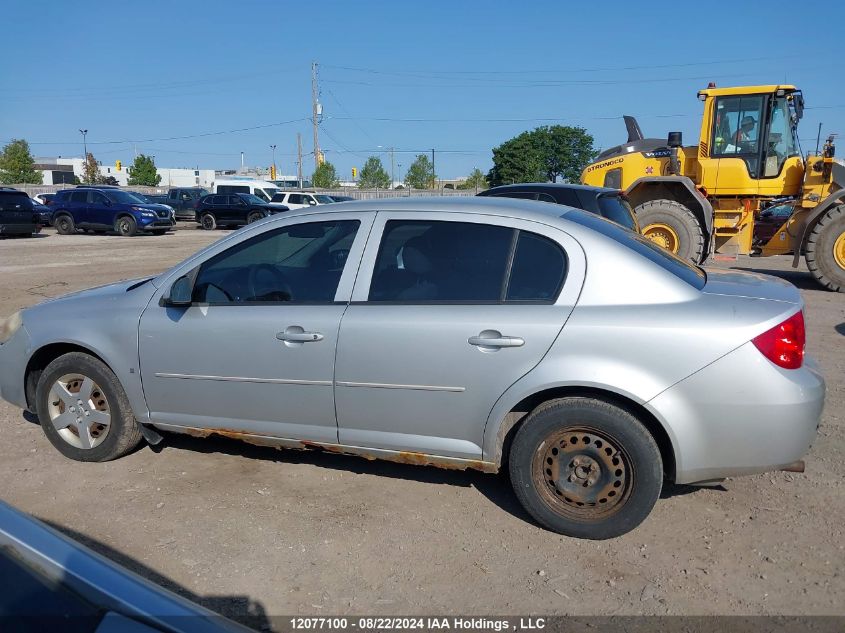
pixel 460 77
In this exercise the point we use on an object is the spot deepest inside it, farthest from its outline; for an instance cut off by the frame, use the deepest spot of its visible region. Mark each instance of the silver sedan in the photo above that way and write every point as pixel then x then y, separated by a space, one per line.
pixel 464 333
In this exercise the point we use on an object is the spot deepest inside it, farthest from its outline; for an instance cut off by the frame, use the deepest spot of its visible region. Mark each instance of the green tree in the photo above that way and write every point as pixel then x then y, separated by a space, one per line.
pixel 544 154
pixel 17 165
pixel 421 173
pixel 475 180
pixel 325 176
pixel 144 172
pixel 90 170
pixel 373 175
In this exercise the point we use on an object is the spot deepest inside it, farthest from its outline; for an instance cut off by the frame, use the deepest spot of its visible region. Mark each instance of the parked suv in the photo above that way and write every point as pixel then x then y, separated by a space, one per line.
pixel 17 213
pixel 301 199
pixel 183 199
pixel 608 203
pixel 101 209
pixel 232 209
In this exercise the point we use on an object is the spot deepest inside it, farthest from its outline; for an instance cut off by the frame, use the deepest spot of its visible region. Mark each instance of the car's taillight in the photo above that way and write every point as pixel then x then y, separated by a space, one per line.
pixel 784 343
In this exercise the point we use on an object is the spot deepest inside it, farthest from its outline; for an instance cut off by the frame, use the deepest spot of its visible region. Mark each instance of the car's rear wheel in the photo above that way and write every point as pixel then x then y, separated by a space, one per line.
pixel 208 222
pixel 255 216
pixel 126 226
pixel 585 468
pixel 64 225
pixel 84 411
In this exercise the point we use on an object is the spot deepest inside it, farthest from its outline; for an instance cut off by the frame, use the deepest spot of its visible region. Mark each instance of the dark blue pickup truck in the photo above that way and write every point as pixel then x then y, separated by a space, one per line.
pixel 100 209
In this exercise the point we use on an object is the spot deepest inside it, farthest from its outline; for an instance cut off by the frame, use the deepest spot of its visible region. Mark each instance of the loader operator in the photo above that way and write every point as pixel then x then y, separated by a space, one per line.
pixel 743 138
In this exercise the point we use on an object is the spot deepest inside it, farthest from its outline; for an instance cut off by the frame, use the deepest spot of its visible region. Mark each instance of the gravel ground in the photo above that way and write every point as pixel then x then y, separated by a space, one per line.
pixel 246 530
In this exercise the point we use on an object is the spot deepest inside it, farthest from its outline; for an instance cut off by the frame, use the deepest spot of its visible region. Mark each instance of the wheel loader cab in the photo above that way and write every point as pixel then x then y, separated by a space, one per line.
pixel 749 141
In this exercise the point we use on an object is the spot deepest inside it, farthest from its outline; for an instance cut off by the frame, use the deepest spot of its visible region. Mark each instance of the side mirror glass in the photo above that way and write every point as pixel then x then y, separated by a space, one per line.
pixel 180 292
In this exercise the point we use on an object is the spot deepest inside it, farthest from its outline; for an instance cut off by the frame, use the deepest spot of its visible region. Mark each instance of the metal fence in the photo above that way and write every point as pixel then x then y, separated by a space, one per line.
pixel 358 194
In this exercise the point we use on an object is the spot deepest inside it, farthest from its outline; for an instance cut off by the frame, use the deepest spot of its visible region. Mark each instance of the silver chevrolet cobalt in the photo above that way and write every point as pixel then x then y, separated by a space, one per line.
pixel 463 333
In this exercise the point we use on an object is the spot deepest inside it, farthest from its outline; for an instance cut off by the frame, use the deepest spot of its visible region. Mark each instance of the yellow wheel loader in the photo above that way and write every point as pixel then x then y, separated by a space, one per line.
pixel 710 197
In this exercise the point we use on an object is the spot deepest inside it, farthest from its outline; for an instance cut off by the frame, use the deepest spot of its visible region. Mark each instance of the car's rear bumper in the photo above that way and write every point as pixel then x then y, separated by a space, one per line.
pixel 741 415
pixel 17 228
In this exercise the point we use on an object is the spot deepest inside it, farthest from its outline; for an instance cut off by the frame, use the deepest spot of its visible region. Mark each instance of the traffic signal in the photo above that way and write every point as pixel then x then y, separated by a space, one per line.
pixel 118 165
pixel 272 172
pixel 354 173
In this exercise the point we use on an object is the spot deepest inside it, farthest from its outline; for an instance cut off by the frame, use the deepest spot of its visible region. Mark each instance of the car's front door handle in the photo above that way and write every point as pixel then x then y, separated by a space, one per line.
pixel 298 335
pixel 495 341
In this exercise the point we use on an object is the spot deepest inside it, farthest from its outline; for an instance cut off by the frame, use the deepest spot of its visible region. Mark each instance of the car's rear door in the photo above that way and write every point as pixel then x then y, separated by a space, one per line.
pixel 448 311
pixel 99 210
pixel 78 205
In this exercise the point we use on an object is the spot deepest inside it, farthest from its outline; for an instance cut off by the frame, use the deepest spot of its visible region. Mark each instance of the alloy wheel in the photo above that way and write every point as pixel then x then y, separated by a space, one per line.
pixel 79 411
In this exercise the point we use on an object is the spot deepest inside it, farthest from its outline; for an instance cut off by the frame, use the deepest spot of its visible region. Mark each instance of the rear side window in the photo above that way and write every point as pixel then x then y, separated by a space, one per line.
pixel 232 189
pixel 79 196
pixel 462 262
pixel 682 269
pixel 260 193
pixel 279 197
pixel 538 270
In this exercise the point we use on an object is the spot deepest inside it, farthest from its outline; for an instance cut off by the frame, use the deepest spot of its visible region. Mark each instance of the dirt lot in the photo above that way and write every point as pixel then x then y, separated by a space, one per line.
pixel 248 530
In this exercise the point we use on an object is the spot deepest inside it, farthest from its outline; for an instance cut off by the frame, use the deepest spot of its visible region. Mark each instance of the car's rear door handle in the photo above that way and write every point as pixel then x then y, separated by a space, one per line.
pixel 495 339
pixel 296 334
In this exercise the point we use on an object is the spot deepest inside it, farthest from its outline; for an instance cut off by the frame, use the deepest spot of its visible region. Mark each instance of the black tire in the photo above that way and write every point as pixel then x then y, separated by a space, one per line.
pixel 125 226
pixel 64 224
pixel 616 479
pixel 124 432
pixel 682 221
pixel 826 236
pixel 208 222
pixel 254 216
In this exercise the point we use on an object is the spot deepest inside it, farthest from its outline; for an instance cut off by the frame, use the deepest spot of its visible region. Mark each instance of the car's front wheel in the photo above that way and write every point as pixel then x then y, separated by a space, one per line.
pixel 125 226
pixel 84 411
pixel 254 216
pixel 585 468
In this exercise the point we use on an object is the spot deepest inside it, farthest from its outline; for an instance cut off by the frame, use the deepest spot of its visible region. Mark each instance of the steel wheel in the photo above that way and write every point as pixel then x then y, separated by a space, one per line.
pixel 582 473
pixel 663 235
pixel 839 251
pixel 79 411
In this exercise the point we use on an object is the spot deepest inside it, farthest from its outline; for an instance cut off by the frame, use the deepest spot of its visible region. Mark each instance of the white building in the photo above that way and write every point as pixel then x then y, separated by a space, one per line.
pixel 58 171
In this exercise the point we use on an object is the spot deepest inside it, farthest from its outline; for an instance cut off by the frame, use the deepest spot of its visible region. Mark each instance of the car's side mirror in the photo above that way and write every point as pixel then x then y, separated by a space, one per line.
pixel 312 202
pixel 181 293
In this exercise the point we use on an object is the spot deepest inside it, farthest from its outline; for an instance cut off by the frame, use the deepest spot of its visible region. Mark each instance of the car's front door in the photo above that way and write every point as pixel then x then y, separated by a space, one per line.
pixel 448 312
pixel 255 350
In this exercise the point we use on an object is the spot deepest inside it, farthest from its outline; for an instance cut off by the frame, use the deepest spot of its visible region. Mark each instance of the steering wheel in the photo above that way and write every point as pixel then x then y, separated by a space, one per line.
pixel 277 290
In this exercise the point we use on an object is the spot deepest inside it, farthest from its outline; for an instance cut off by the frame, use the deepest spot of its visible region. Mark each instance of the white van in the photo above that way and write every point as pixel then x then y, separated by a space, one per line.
pixel 261 188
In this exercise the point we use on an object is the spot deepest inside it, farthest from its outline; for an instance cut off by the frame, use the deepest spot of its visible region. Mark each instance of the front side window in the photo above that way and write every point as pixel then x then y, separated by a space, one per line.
pixel 295 198
pixel 301 263
pixel 782 142
pixel 429 261
pixel 260 194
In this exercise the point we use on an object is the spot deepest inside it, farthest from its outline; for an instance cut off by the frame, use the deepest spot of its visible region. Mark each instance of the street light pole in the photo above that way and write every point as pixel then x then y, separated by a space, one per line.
pixel 85 149
pixel 273 147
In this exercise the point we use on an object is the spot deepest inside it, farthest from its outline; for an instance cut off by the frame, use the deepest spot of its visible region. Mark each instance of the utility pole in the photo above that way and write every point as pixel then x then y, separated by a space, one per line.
pixel 392 180
pixel 85 150
pixel 242 162
pixel 315 112
pixel 299 154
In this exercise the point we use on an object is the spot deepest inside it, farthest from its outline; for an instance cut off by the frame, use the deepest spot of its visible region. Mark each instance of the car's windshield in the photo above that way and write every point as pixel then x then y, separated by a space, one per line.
pixel 682 269
pixel 614 207
pixel 125 197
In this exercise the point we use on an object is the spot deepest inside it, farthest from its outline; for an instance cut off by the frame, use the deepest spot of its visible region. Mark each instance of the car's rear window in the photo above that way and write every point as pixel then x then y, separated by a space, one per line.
pixel 15 201
pixel 682 269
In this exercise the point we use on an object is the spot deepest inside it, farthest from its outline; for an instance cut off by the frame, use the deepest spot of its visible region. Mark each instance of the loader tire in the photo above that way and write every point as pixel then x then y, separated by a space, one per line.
pixel 672 226
pixel 825 250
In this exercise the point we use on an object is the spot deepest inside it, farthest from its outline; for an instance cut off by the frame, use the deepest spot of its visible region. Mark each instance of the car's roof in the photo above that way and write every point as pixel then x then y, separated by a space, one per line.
pixel 540 186
pixel 504 207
